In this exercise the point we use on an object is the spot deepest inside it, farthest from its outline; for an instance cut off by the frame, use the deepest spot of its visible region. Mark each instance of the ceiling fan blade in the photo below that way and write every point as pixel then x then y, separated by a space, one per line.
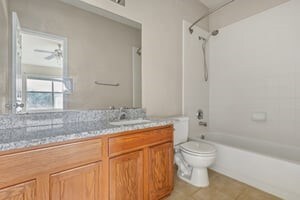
pixel 42 51
pixel 50 57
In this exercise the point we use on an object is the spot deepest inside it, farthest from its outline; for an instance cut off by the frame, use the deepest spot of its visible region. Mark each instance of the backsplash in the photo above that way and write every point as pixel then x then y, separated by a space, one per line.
pixel 42 119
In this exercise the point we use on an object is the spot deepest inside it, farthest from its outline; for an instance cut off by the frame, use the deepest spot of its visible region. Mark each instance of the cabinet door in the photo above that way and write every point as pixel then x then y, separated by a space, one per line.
pixel 24 191
pixel 160 170
pixel 77 184
pixel 126 177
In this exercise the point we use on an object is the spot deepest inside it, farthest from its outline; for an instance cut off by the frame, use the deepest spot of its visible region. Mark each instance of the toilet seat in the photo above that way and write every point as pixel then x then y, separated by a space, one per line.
pixel 198 148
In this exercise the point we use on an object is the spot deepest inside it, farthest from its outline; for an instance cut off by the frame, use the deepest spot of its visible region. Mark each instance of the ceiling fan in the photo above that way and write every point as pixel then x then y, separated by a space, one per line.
pixel 57 53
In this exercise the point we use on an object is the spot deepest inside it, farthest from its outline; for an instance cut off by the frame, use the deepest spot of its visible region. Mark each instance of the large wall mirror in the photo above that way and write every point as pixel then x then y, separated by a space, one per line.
pixel 64 55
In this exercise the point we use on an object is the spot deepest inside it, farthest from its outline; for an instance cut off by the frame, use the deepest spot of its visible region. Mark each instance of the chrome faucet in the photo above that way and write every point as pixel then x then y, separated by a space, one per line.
pixel 122 114
pixel 111 107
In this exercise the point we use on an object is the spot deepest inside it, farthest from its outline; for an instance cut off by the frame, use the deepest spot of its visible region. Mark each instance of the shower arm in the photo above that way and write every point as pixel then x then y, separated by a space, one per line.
pixel 206 15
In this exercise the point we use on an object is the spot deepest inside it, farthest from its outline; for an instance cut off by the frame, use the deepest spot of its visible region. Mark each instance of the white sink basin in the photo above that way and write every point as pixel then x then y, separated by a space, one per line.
pixel 130 122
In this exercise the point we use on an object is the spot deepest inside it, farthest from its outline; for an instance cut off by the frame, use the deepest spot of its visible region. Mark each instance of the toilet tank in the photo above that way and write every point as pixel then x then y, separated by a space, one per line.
pixel 181 126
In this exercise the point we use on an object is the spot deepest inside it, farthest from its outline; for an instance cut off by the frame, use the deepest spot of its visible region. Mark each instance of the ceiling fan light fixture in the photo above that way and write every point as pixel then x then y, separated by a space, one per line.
pixel 57 53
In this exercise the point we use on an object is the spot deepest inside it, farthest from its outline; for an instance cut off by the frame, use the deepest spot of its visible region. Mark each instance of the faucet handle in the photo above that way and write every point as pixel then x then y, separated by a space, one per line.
pixel 200 114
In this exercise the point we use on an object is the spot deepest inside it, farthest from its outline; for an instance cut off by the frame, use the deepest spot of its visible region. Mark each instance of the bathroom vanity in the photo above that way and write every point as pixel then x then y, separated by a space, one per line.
pixel 117 162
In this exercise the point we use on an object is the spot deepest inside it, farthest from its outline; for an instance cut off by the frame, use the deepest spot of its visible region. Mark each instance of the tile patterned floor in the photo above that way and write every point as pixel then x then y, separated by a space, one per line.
pixel 221 188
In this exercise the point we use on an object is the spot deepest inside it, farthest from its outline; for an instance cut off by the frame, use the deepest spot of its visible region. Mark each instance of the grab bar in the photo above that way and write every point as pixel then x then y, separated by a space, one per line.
pixel 107 84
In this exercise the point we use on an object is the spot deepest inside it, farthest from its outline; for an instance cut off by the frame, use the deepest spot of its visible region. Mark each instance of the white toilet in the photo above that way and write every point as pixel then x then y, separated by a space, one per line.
pixel 193 157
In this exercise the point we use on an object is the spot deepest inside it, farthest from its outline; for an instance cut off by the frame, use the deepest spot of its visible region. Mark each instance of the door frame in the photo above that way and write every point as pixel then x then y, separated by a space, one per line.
pixel 15 24
pixel 64 41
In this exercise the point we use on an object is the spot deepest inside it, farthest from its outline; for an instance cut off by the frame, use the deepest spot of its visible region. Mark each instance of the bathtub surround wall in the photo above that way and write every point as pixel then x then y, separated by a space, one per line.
pixel 98 49
pixel 3 54
pixel 162 47
pixel 240 10
pixel 255 67
pixel 195 89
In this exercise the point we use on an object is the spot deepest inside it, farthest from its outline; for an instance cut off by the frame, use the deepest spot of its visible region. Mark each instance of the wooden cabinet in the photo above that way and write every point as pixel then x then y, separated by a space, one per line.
pixel 160 170
pixel 24 191
pixel 151 161
pixel 77 184
pixel 126 177
pixel 133 165
pixel 28 165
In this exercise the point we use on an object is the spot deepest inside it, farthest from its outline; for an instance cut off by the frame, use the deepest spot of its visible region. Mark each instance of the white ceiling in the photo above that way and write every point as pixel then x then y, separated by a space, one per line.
pixel 103 12
pixel 211 4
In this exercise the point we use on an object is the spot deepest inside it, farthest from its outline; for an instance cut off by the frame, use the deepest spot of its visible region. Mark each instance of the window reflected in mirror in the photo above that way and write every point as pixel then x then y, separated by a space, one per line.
pixel 43 94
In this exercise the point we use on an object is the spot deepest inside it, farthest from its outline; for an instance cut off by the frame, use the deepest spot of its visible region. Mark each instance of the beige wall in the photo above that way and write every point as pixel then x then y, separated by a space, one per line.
pixel 162 22
pixel 239 10
pixel 99 49
pixel 3 54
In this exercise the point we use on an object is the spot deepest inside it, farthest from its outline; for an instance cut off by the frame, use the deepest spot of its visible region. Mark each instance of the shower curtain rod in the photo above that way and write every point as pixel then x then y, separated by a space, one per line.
pixel 206 15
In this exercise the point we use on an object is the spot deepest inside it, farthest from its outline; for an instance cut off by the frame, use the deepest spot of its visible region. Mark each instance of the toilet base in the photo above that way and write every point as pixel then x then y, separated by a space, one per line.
pixel 198 178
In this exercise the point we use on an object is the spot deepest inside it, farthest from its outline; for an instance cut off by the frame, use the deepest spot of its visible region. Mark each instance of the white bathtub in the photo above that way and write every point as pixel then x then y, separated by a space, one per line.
pixel 273 168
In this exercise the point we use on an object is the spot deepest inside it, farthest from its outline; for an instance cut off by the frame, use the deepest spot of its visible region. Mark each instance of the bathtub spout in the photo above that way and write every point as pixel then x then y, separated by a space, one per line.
pixel 203 124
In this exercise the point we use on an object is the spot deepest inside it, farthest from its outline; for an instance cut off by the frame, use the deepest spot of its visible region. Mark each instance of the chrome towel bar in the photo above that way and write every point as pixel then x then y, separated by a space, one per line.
pixel 107 84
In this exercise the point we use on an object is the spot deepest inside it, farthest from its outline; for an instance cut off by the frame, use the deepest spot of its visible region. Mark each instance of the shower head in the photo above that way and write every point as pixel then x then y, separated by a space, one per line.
pixel 215 32
pixel 205 41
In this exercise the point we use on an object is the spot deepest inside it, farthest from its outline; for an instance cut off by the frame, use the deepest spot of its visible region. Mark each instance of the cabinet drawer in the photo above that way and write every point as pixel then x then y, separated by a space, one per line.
pixel 25 165
pixel 123 144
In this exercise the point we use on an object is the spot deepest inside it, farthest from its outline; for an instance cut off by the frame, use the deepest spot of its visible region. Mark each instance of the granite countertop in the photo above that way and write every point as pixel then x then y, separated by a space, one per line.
pixel 30 136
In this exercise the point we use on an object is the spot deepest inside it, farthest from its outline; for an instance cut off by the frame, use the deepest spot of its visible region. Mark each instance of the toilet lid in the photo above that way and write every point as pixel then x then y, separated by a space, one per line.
pixel 198 147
